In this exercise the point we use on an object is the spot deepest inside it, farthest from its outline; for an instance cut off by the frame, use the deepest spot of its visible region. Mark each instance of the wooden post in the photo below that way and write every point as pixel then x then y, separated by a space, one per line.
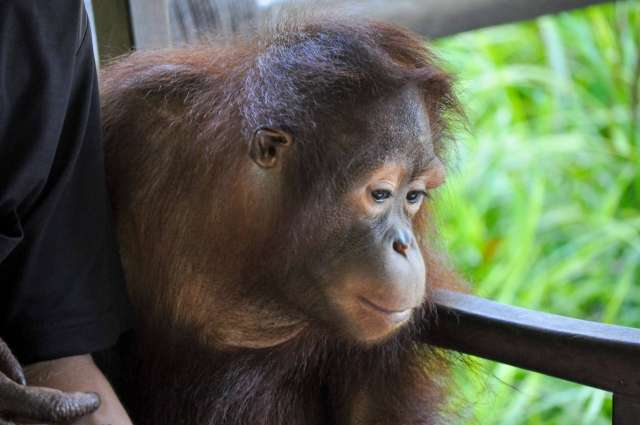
pixel 112 27
pixel 121 25
pixel 625 411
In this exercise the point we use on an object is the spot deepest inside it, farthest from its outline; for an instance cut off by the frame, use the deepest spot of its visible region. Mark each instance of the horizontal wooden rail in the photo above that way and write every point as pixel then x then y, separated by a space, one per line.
pixel 141 24
pixel 588 353
pixel 439 18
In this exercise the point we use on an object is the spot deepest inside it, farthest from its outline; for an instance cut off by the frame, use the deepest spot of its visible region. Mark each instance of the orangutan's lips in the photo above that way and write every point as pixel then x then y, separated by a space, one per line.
pixel 396 316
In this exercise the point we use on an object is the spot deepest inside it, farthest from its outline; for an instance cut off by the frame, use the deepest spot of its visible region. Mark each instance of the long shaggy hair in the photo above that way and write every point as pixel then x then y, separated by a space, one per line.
pixel 177 122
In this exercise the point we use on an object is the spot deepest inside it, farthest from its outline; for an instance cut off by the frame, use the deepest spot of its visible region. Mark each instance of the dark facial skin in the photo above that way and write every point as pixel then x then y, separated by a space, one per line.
pixel 366 273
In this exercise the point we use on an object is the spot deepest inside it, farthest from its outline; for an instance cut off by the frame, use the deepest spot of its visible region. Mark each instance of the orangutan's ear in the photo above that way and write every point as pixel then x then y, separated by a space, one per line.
pixel 268 144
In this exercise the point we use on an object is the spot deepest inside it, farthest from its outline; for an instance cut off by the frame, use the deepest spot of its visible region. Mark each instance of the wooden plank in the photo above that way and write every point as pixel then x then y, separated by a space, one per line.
pixel 588 353
pixel 439 18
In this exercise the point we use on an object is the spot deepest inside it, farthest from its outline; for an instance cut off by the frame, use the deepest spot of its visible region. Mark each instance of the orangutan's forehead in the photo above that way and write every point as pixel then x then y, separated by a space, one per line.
pixel 399 131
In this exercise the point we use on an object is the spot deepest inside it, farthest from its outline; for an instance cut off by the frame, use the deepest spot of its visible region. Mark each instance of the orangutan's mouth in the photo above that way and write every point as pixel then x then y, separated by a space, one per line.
pixel 396 316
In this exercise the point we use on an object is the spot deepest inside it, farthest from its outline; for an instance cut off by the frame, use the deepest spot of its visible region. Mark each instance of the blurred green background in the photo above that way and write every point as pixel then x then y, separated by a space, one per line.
pixel 543 211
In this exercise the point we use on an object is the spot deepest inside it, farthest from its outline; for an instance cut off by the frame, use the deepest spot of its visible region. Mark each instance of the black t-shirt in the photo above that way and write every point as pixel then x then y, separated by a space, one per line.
pixel 62 289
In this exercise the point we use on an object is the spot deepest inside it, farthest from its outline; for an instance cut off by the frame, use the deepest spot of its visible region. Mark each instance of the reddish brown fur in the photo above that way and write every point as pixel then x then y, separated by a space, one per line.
pixel 176 130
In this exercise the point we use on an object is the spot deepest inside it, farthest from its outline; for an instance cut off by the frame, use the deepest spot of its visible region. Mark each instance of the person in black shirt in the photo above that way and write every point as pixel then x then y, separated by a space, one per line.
pixel 62 290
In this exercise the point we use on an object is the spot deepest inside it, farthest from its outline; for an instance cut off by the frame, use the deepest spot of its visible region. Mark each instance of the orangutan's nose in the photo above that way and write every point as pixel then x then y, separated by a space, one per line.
pixel 402 240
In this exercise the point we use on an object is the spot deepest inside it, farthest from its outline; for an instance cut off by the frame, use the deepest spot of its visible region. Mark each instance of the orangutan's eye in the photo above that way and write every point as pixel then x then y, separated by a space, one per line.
pixel 379 195
pixel 416 195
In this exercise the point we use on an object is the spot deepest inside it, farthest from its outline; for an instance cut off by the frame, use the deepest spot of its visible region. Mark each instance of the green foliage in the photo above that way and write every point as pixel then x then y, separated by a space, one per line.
pixel 544 212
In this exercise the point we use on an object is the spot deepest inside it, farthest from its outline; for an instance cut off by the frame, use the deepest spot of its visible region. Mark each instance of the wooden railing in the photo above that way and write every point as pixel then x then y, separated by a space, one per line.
pixel 588 353
pixel 141 24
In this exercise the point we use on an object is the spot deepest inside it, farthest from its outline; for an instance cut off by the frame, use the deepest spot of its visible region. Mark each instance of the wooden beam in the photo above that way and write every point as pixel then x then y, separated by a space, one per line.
pixel 588 353
pixel 439 18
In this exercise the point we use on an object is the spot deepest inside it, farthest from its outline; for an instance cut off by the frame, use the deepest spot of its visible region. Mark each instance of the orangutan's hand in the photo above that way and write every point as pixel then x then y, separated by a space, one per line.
pixel 22 403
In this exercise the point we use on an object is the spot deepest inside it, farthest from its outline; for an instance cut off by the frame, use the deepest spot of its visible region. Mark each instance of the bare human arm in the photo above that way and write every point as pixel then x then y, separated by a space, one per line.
pixel 59 391
pixel 79 373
